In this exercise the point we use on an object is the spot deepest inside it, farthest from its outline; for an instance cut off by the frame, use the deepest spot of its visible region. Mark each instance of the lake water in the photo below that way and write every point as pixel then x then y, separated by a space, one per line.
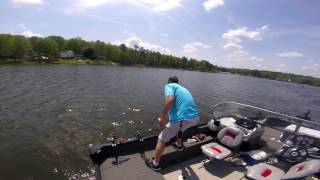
pixel 49 114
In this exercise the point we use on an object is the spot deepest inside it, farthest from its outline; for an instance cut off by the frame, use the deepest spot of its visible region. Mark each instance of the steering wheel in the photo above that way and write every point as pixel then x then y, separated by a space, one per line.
pixel 246 123
pixel 295 154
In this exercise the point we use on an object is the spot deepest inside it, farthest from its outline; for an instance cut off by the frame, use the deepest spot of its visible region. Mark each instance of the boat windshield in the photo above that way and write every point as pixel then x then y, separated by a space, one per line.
pixel 262 116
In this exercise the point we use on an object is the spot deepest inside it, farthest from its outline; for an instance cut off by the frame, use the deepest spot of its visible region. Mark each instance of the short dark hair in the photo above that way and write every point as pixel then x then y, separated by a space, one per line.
pixel 173 79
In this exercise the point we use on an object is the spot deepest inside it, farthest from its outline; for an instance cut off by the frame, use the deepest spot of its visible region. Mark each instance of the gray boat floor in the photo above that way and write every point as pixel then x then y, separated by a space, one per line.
pixel 133 167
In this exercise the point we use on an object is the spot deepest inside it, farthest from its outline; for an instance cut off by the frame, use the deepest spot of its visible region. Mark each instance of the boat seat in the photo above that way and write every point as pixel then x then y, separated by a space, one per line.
pixel 229 137
pixel 265 171
pixel 215 150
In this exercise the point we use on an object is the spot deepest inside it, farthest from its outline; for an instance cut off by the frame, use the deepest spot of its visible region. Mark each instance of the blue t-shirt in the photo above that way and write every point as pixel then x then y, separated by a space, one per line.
pixel 183 107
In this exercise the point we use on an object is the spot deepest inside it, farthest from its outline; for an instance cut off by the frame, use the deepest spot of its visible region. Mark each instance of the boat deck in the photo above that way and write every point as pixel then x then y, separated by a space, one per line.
pixel 200 168
pixel 189 163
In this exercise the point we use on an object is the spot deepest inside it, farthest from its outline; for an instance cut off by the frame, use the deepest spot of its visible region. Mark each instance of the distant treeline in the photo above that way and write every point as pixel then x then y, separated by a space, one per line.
pixel 19 47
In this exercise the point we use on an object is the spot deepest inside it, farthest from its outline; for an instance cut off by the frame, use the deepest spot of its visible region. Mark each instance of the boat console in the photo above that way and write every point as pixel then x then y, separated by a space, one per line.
pixel 298 147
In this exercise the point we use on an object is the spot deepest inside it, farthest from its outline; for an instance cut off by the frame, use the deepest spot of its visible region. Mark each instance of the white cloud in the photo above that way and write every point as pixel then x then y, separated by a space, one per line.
pixel 259 66
pixel 29 33
pixel 212 4
pixel 116 42
pixel 253 58
pixel 243 59
pixel 156 5
pixel 312 70
pixel 242 55
pixel 314 67
pixel 150 5
pixel 167 5
pixel 235 37
pixel 290 54
pixel 90 3
pixel 264 28
pixel 22 26
pixel 282 65
pixel 128 33
pixel 27 1
pixel 26 32
pixel 80 6
pixel 238 55
pixel 188 48
pixel 164 35
pixel 194 47
pixel 280 68
pixel 245 34
pixel 136 41
pixel 232 45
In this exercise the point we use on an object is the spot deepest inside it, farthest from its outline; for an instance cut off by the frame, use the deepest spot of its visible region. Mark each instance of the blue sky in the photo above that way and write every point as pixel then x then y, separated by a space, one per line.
pixel 278 35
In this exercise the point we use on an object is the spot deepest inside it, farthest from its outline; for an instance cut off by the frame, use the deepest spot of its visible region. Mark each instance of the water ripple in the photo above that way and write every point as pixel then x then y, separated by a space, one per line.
pixel 51 113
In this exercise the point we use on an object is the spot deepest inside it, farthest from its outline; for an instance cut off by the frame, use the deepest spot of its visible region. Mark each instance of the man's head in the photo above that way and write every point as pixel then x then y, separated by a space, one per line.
pixel 173 79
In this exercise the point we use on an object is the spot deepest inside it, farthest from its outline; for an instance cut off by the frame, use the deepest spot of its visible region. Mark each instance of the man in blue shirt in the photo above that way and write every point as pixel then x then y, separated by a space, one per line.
pixel 182 113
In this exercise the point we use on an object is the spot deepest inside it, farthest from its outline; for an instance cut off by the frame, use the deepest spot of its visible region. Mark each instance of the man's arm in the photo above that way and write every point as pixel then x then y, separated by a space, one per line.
pixel 165 110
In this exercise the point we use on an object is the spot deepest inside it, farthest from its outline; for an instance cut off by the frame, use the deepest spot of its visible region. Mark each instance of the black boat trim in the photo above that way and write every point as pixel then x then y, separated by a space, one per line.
pixel 100 153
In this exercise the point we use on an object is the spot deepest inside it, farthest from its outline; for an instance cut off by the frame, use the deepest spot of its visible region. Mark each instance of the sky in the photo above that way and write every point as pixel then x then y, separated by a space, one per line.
pixel 277 35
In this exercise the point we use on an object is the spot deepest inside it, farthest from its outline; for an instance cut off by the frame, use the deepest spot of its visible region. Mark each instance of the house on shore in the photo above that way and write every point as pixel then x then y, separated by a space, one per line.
pixel 67 54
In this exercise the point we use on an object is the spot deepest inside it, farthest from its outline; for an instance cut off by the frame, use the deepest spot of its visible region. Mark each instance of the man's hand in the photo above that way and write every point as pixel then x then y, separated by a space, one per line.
pixel 163 121
pixel 166 107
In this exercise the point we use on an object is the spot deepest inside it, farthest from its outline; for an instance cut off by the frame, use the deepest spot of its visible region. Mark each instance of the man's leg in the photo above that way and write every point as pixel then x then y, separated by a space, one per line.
pixel 166 134
pixel 179 141
pixel 159 150
pixel 186 125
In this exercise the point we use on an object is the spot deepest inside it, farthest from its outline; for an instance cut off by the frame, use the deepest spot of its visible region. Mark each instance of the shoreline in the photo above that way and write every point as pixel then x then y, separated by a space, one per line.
pixel 108 62
pixel 58 61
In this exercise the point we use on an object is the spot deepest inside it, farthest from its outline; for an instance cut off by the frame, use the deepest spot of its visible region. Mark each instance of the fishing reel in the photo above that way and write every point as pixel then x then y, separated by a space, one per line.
pixel 139 136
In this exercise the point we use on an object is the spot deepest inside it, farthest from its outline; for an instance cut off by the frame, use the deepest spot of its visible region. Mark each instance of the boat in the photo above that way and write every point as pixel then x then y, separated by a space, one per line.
pixel 240 142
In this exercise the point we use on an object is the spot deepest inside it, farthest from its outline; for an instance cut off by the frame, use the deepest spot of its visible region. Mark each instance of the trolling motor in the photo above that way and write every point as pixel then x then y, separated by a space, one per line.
pixel 305 116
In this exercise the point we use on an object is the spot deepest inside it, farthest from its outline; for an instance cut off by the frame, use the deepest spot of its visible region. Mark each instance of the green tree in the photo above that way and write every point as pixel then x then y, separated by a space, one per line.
pixel 20 47
pixel 47 46
pixel 99 48
pixel 59 40
pixel 75 44
pixel 6 45
pixel 90 53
